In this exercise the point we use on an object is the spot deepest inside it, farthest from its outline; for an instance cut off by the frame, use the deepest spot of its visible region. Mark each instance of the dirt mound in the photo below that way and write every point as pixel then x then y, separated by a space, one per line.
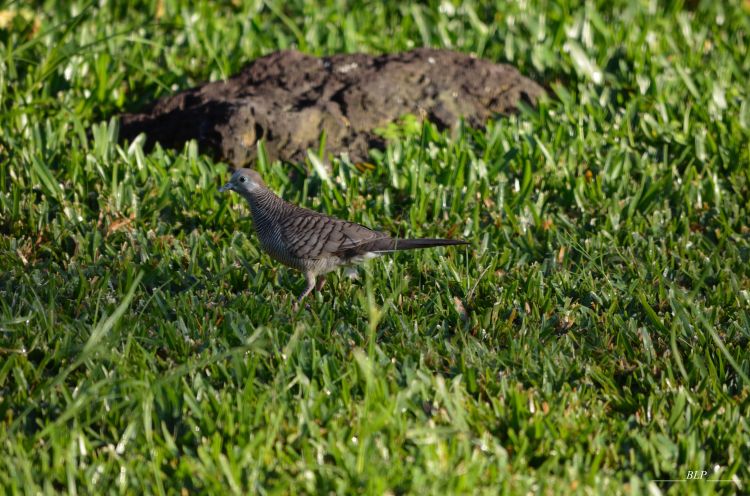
pixel 289 98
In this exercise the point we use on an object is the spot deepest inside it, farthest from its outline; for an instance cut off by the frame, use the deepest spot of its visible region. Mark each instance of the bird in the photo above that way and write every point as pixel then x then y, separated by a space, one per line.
pixel 309 241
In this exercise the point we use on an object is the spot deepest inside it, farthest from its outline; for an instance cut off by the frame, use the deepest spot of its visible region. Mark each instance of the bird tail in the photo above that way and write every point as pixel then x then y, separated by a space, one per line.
pixel 389 245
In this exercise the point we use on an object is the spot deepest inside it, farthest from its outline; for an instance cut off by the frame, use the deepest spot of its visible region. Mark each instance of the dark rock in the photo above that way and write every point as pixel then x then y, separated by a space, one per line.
pixel 288 98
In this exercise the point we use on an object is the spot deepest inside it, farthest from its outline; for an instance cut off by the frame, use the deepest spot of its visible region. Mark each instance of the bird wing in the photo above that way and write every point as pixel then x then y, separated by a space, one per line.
pixel 312 235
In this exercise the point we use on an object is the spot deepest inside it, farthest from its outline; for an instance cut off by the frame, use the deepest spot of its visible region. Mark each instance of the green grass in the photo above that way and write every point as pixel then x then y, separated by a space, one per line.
pixel 593 338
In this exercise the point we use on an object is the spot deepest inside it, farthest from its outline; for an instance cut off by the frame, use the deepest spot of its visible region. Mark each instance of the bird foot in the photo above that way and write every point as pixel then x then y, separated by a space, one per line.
pixel 297 306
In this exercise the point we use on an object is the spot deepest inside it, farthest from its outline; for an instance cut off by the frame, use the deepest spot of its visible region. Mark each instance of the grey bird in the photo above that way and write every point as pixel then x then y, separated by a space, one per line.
pixel 309 241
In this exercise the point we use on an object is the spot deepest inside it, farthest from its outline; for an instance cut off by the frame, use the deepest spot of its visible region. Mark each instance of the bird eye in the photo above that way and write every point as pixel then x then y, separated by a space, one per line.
pixel 242 179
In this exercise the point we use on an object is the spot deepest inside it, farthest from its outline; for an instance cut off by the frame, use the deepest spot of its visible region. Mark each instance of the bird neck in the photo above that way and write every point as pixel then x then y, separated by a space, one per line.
pixel 264 205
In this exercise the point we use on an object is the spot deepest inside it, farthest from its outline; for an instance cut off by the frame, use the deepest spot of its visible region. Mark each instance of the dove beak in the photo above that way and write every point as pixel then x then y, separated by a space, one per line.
pixel 226 187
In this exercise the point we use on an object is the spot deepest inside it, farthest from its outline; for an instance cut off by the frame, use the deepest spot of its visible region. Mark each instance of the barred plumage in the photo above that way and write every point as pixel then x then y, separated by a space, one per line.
pixel 309 241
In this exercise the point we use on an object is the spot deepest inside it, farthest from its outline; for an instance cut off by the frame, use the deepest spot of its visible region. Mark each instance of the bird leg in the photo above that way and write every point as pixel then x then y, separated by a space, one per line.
pixel 313 282
pixel 310 280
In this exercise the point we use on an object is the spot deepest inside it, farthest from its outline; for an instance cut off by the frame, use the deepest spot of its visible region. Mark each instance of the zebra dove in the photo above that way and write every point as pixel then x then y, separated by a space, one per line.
pixel 309 241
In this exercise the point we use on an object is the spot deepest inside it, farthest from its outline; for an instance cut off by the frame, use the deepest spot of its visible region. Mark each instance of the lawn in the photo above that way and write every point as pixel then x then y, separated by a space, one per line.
pixel 593 338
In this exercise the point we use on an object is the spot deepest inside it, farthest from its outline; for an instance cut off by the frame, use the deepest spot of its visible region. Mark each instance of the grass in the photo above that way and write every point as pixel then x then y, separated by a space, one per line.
pixel 593 339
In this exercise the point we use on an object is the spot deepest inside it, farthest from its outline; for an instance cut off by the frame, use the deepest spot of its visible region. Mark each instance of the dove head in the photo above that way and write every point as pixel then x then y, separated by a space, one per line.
pixel 245 182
